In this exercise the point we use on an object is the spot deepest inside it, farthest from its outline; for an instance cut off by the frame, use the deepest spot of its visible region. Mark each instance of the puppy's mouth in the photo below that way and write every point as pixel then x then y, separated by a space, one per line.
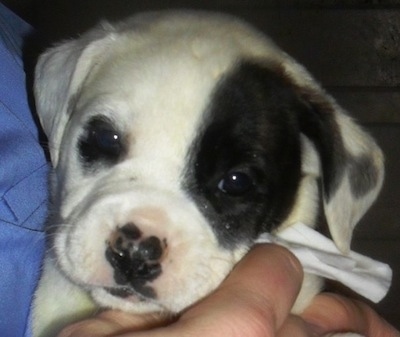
pixel 126 293
pixel 126 298
pixel 121 292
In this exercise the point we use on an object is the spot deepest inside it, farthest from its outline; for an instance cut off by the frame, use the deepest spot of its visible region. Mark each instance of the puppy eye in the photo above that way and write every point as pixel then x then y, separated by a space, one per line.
pixel 101 141
pixel 106 141
pixel 236 183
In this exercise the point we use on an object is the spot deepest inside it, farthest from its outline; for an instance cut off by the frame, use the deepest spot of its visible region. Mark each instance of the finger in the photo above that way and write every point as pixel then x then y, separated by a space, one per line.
pixel 114 322
pixel 333 313
pixel 256 297
pixel 295 326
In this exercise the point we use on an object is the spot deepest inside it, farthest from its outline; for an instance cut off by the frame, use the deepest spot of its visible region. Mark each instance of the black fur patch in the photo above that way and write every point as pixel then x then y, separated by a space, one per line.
pixel 363 175
pixel 251 128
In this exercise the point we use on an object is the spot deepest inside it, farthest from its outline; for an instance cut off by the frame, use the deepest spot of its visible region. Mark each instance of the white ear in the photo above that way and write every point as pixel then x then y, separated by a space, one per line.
pixel 352 163
pixel 58 75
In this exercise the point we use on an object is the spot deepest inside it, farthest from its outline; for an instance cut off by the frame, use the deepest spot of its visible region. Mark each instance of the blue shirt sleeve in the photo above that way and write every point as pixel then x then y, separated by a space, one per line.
pixel 23 184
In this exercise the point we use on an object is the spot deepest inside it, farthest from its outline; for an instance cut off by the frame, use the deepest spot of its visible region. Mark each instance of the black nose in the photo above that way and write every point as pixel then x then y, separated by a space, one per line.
pixel 135 259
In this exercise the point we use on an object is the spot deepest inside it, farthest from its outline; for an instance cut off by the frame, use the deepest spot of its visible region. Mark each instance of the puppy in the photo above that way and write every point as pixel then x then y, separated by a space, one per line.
pixel 177 138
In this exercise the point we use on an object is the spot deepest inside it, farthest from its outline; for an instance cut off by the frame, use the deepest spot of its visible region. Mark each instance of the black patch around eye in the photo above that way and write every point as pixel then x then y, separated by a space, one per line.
pixel 244 166
pixel 100 143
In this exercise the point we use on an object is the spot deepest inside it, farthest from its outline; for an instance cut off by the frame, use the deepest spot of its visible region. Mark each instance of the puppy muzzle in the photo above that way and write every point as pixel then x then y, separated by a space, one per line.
pixel 133 246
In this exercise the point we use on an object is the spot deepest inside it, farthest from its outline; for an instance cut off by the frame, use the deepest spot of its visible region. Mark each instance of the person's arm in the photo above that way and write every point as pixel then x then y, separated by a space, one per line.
pixel 23 183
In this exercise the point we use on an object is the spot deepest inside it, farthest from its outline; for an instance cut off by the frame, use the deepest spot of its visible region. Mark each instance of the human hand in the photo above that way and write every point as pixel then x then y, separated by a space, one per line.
pixel 254 301
pixel 334 313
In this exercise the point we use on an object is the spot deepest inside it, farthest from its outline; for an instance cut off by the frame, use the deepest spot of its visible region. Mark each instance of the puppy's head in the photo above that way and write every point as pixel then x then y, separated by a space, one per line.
pixel 176 140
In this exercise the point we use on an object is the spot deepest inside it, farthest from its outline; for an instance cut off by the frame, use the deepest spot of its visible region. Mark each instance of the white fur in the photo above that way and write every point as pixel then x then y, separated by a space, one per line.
pixel 155 78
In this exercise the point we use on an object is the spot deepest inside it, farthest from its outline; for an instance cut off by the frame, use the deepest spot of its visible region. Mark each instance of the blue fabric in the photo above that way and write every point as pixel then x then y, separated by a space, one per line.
pixel 23 180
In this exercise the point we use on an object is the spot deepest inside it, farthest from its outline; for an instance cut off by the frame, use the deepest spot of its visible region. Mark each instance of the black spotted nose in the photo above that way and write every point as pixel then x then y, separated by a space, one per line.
pixel 136 259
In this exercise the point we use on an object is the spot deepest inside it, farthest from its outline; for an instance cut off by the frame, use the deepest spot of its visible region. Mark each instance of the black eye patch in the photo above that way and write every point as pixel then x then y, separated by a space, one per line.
pixel 101 142
pixel 245 165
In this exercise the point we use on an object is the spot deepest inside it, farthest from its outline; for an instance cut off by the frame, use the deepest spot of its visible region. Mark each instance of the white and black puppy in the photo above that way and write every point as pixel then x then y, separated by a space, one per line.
pixel 177 138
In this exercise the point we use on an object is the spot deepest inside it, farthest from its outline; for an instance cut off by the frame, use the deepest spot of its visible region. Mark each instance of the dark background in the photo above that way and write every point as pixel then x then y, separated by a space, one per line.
pixel 351 46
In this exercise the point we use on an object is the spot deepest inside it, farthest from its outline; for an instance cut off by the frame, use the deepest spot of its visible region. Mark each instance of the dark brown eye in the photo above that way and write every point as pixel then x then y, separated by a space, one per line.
pixel 100 142
pixel 236 183
pixel 105 140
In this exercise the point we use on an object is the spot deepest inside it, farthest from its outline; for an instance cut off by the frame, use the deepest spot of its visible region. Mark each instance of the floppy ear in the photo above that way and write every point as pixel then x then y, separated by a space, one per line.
pixel 351 161
pixel 58 75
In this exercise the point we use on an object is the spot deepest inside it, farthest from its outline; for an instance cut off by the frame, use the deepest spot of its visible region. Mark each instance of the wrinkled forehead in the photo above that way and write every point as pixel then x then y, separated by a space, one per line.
pixel 178 63
pixel 141 71
pixel 157 83
pixel 158 76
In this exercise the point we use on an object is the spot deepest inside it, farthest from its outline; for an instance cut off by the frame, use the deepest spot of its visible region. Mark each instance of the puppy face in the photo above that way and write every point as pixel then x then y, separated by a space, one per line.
pixel 177 139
